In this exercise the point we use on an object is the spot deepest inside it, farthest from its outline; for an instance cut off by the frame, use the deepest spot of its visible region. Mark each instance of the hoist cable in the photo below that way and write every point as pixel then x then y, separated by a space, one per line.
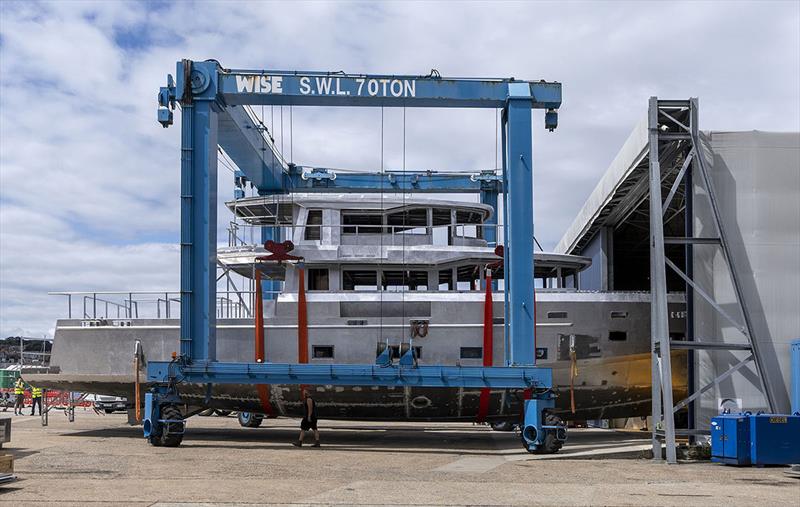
pixel 496 162
pixel 405 282
pixel 383 231
pixel 291 135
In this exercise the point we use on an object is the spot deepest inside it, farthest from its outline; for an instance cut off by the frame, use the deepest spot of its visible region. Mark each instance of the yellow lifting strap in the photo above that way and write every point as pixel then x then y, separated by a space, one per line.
pixel 573 372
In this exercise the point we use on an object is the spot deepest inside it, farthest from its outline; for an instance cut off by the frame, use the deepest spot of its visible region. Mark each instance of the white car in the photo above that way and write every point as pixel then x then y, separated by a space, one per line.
pixel 110 403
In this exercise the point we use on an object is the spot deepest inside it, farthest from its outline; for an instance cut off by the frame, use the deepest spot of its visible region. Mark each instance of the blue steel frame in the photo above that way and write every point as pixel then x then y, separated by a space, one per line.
pixel 211 98
pixel 497 377
pixel 206 90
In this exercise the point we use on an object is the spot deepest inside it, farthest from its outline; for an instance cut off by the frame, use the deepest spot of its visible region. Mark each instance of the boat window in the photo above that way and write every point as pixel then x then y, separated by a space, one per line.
pixel 407 219
pixel 313 223
pixel 318 279
pixel 322 351
pixel 617 336
pixel 557 315
pixel 446 279
pixel 359 280
pixel 468 217
pixel 471 352
pixel 398 281
pixel 468 277
pixel 441 216
pixel 619 315
pixel 358 222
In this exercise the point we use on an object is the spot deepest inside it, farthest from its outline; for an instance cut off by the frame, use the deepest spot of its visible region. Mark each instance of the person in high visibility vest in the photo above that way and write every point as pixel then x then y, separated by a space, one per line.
pixel 19 394
pixel 36 399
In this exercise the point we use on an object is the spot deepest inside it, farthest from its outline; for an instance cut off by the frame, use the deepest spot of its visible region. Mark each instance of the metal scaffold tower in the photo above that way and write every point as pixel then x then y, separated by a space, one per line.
pixel 673 129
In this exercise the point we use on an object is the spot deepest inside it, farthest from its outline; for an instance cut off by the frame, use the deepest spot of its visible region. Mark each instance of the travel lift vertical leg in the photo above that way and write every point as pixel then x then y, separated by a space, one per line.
pixel 518 265
pixel 207 91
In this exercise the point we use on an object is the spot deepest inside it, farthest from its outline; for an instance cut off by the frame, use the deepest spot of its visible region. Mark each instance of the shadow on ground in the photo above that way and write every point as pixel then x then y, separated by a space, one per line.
pixel 428 439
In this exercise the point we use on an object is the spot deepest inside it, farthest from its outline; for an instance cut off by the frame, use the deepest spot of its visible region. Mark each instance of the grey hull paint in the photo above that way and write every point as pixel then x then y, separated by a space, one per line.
pixel 613 377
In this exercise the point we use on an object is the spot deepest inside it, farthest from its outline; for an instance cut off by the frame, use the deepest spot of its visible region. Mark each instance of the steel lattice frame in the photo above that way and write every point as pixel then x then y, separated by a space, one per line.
pixel 675 159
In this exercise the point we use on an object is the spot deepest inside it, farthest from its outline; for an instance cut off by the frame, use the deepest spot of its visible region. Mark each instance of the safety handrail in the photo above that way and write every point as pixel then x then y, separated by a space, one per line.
pixel 102 304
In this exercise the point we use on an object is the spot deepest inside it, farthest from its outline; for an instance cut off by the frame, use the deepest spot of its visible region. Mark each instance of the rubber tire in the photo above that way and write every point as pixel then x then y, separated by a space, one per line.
pixel 503 426
pixel 109 411
pixel 250 420
pixel 551 444
pixel 166 439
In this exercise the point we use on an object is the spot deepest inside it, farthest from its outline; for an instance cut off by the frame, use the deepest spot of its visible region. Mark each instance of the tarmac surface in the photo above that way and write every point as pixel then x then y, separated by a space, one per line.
pixel 98 459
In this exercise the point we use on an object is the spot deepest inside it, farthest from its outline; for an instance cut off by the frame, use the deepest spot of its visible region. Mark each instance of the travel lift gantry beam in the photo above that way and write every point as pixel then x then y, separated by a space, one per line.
pixel 211 99
pixel 487 183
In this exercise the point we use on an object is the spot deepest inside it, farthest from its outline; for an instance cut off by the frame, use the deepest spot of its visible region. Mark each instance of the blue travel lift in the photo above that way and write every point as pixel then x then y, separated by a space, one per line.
pixel 212 99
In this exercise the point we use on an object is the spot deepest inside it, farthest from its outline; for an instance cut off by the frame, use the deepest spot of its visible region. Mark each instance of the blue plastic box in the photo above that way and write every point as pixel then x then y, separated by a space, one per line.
pixel 760 439
pixel 795 396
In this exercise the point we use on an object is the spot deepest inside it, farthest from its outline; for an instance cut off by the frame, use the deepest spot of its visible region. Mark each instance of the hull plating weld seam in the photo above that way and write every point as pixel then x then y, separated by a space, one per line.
pixel 311 326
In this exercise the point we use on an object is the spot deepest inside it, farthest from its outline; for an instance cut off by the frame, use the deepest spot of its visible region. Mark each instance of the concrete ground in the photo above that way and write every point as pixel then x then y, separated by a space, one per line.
pixel 98 459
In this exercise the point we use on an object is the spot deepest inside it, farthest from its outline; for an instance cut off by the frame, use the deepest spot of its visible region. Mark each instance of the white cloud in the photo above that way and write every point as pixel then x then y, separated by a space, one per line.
pixel 89 180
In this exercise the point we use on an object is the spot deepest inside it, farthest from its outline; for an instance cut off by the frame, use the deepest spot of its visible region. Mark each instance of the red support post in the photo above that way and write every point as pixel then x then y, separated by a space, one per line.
pixel 488 323
pixel 258 303
pixel 258 299
pixel 488 345
pixel 302 318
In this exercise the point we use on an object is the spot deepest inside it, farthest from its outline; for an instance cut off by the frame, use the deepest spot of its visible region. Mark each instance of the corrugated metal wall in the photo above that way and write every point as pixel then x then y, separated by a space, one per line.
pixel 757 182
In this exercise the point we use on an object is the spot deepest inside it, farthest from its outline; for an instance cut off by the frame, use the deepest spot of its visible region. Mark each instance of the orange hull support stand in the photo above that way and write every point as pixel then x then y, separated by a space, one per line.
pixel 263 389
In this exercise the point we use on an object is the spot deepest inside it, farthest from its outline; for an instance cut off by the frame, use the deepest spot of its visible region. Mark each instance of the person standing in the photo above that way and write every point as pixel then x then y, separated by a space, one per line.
pixel 309 421
pixel 36 399
pixel 19 394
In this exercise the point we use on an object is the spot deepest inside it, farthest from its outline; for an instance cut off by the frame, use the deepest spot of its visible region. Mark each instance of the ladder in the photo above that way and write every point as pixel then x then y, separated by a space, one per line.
pixel 674 123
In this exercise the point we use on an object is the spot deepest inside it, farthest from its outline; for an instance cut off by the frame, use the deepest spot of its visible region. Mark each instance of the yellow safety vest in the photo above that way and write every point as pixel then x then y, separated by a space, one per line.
pixel 19 388
pixel 36 392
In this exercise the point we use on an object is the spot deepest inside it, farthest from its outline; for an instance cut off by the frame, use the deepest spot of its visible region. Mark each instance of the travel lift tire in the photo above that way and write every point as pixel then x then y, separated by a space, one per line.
pixel 250 420
pixel 213 411
pixel 172 432
pixel 503 426
pixel 551 443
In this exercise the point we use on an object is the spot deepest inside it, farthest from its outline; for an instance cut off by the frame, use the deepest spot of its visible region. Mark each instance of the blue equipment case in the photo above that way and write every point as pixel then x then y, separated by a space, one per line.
pixel 795 376
pixel 760 439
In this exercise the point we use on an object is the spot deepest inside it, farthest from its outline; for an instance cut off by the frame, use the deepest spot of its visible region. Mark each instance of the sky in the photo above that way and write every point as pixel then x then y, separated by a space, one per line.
pixel 89 180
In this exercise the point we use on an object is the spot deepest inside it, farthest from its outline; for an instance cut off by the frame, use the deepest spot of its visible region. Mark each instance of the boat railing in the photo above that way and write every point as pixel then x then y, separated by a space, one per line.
pixel 125 305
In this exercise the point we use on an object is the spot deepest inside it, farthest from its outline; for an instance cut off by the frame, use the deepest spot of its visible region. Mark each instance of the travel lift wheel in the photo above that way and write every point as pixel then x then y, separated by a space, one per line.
pixel 551 443
pixel 503 426
pixel 250 420
pixel 213 411
pixel 171 434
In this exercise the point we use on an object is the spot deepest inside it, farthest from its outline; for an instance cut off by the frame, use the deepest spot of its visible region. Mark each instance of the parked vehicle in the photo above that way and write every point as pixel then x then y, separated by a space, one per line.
pixel 111 404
